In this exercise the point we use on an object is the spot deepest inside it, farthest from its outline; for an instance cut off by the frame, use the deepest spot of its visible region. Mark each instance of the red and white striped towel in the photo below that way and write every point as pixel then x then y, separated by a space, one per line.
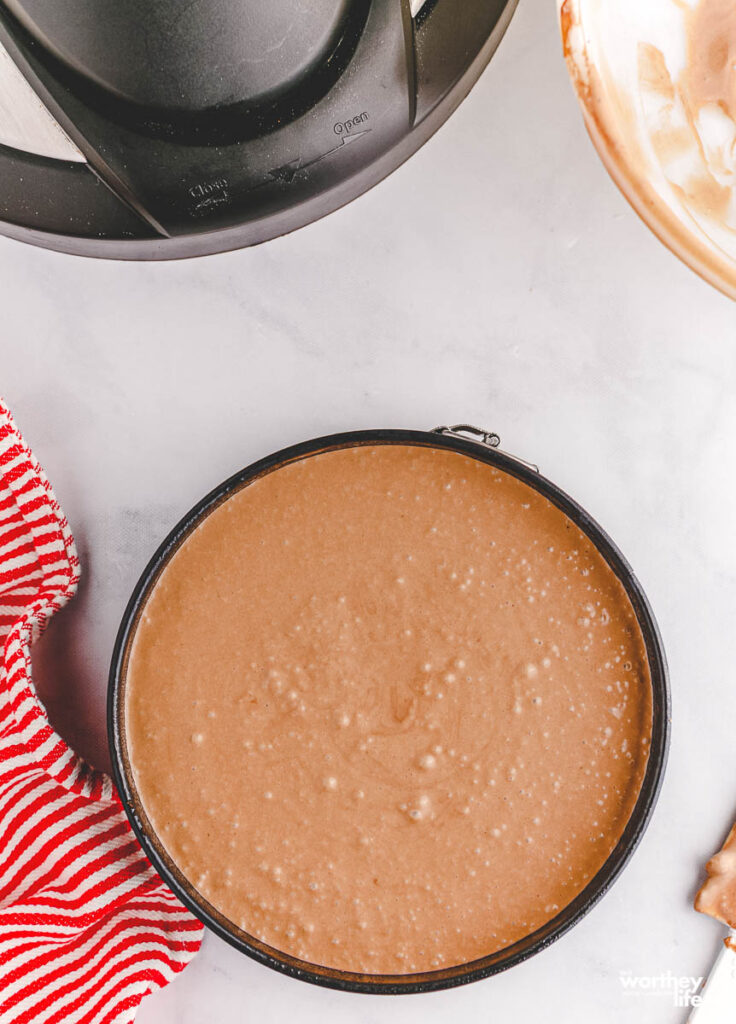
pixel 87 927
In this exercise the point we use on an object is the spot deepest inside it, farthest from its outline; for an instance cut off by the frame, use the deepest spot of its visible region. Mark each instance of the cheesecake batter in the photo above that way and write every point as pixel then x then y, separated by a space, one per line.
pixel 693 118
pixel 717 897
pixel 388 709
pixel 710 75
pixel 657 81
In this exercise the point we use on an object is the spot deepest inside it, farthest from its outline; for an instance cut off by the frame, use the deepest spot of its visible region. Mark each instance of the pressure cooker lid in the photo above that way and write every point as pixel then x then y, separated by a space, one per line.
pixel 152 128
pixel 173 59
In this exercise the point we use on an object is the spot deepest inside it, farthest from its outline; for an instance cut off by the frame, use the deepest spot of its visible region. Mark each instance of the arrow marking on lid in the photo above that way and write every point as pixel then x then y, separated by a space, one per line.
pixel 287 172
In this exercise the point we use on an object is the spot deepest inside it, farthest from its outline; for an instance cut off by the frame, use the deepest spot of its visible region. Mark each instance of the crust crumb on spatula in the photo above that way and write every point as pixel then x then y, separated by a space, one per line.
pixel 717 896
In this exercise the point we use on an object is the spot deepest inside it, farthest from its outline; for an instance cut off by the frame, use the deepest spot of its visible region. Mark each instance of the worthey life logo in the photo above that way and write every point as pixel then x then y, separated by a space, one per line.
pixel 684 991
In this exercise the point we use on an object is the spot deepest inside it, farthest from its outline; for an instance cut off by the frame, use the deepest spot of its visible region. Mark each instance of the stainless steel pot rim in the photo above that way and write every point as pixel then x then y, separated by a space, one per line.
pixel 447 977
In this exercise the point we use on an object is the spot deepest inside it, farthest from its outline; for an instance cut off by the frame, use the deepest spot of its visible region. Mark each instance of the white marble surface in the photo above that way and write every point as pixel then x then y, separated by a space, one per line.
pixel 500 278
